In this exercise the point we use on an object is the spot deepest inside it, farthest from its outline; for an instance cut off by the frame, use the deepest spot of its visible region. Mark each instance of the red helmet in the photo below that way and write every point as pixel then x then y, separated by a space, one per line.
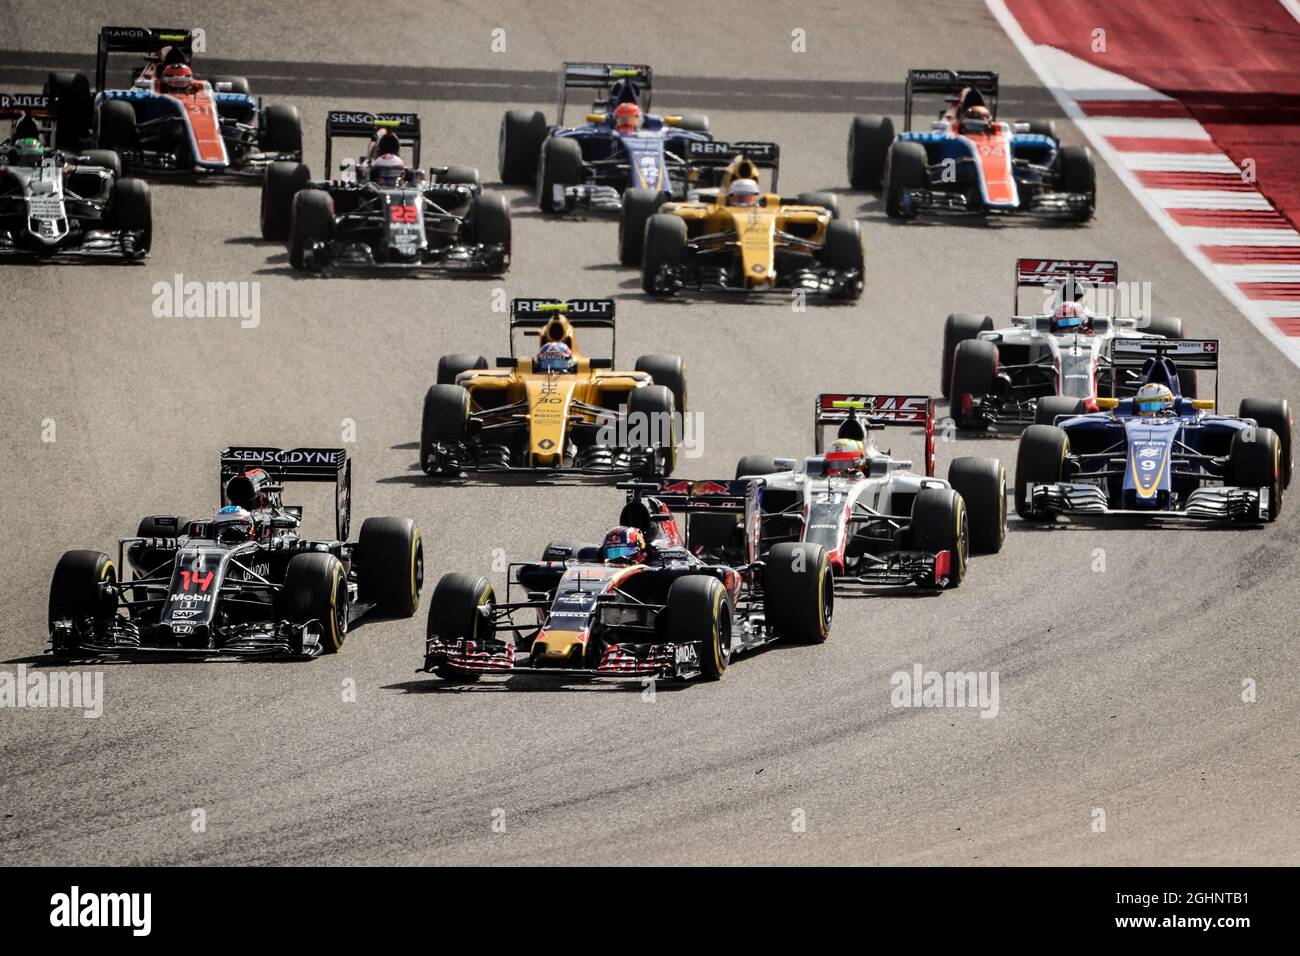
pixel 177 77
pixel 624 545
pixel 627 118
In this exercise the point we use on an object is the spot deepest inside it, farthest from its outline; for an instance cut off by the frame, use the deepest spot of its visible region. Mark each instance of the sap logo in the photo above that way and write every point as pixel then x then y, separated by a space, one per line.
pixel 180 612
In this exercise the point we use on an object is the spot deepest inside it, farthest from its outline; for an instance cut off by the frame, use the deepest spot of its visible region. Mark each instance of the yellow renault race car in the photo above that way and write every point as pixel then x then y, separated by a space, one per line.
pixel 738 238
pixel 557 410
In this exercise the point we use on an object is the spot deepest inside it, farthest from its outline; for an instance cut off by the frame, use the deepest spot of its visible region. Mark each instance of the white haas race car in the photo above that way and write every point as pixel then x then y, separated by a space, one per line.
pixel 1055 362
pixel 880 522
pixel 57 204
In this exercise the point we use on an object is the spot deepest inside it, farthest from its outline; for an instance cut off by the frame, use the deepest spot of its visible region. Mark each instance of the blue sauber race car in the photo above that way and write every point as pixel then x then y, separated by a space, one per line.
pixel 621 144
pixel 1159 455
pixel 168 120
pixel 968 161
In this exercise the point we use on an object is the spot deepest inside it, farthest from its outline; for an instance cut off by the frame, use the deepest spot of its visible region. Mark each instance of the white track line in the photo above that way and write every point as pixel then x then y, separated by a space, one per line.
pixel 1258 313
pixel 1208 199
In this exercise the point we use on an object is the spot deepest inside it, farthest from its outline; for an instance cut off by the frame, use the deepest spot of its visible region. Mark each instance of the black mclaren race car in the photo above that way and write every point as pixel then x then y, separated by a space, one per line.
pixel 669 606
pixel 245 582
pixel 384 212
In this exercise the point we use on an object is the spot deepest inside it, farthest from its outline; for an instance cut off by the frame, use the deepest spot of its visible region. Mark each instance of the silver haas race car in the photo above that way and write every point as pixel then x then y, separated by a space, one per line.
pixel 61 204
pixel 881 523
pixel 246 582
pixel 1052 363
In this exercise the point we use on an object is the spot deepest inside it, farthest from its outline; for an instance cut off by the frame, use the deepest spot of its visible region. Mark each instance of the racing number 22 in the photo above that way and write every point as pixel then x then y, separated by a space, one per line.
pixel 402 213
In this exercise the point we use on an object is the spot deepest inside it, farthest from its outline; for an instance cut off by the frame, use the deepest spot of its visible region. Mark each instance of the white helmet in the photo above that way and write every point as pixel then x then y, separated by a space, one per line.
pixel 387 170
pixel 743 192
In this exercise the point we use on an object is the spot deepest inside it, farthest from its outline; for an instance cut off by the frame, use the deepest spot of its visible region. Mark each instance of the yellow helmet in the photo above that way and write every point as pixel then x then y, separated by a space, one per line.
pixel 845 454
pixel 1153 399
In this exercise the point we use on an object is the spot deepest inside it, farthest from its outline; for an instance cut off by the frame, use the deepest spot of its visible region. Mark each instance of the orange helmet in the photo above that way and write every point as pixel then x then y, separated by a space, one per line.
pixel 627 117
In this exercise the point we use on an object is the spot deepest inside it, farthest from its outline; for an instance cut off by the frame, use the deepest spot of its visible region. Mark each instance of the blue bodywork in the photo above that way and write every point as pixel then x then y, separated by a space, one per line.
pixel 605 149
pixel 1028 149
pixel 157 109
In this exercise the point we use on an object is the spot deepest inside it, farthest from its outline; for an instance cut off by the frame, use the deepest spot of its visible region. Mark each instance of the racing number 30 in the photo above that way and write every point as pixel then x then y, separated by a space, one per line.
pixel 402 213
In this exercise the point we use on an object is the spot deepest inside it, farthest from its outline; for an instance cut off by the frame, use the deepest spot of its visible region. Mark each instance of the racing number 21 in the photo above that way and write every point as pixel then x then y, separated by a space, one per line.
pixel 402 213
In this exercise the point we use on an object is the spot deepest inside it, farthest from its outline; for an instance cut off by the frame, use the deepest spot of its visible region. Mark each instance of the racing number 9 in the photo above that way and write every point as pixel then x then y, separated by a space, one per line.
pixel 400 213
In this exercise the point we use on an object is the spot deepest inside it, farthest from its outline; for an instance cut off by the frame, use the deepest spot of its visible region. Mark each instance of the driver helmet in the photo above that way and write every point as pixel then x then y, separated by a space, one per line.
pixel 556 357
pixel 28 151
pixel 624 545
pixel 177 78
pixel 1153 399
pixel 743 192
pixel 232 525
pixel 627 117
pixel 846 455
pixel 387 170
pixel 384 141
pixel 1068 316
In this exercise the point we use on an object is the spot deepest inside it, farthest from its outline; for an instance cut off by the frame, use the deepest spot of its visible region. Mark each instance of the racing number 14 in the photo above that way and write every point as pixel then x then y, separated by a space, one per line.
pixel 191 578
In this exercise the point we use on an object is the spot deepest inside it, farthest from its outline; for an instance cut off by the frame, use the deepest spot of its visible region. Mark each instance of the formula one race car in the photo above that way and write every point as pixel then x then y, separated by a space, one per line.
pixel 1053 362
pixel 1158 455
pixel 245 582
pixel 385 213
pixel 969 162
pixel 879 522
pixel 644 604
pixel 169 120
pixel 739 239
pixel 621 145
pixel 56 204
pixel 559 411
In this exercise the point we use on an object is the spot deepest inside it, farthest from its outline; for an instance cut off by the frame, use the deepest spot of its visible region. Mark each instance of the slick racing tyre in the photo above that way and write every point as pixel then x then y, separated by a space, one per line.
pixel 957 328
pixel 906 169
pixel 1274 413
pixel 78 592
pixel 561 167
pixel 73 107
pixel 445 419
pixel 651 411
pixel 754 465
pixel 869 140
pixel 940 523
pixel 489 222
pixel 316 589
pixel 390 565
pixel 520 143
pixel 1077 174
pixel 115 126
pixel 161 526
pixel 449 366
pixel 638 206
pixel 1040 460
pixel 799 592
pixel 693 122
pixel 1255 461
pixel 1044 128
pixel 461 176
pixel 282 129
pixel 698 612
pixel 284 180
pixel 311 222
pixel 668 371
pixel 974 369
pixel 828 201
pixel 1049 408
pixel 982 483
pixel 238 84
pixel 843 251
pixel 104 158
pixel 665 248
pixel 461 610
pixel 131 208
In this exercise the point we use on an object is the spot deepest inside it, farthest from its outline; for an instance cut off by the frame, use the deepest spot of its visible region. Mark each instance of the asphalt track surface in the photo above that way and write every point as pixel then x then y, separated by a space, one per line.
pixel 1119 689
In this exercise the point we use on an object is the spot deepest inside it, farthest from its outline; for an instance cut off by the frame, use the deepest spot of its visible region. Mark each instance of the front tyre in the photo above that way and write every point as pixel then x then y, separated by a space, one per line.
pixel 799 592
pixel 81 591
pixel 940 523
pixel 311 223
pixel 698 612
pixel 316 589
pixel 665 249
pixel 1040 460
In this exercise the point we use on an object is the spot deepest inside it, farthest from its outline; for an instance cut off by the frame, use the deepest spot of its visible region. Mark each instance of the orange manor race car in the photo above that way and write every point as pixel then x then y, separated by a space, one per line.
pixel 648 602
pixel 738 238
pixel 558 410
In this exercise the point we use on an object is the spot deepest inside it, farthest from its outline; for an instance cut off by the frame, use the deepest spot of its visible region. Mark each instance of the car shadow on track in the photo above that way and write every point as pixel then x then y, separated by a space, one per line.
pixel 538 684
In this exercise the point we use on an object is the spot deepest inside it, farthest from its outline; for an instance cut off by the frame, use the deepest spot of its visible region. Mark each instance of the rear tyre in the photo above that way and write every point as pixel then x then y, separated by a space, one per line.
pixel 282 129
pixel 284 180
pixel 449 366
pixel 982 483
pixel 869 140
pixel 1050 407
pixel 651 408
pixel 461 610
pixel 905 169
pixel 974 369
pixel 520 142
pixel 73 106
pixel 1274 413
pixel 668 371
pixel 131 208
pixel 391 565
pixel 638 206
pixel 78 592
pixel 461 176
pixel 115 126
pixel 665 248
pixel 754 465
pixel 316 589
pixel 698 613
pixel 311 222
pixel 940 523
pixel 1255 461
pixel 1040 460
pixel 694 122
pixel 561 167
pixel 160 526
pixel 799 591
pixel 957 328
pixel 828 201
pixel 238 84
pixel 1044 128
pixel 104 158
pixel 445 419
pixel 1077 174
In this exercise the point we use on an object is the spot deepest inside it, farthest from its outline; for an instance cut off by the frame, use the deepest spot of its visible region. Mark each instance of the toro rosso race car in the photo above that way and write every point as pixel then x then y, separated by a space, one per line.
pixel 969 162
pixel 60 204
pixel 245 582
pixel 1158 455
pixel 1055 361
pixel 649 602
pixel 738 238
pixel 558 410
pixel 879 522
pixel 385 212
pixel 621 145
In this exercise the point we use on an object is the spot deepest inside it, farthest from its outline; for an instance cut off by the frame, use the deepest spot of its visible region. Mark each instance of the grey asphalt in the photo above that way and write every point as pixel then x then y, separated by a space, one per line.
pixel 1120 654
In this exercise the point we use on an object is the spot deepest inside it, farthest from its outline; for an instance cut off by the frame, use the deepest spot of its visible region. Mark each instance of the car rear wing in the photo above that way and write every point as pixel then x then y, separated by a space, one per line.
pixel 1185 354
pixel 14 105
pixel 139 40
pixel 533 315
pixel 362 124
pixel 735 498
pixel 295 465
pixel 602 77
pixel 715 155
pixel 1073 276
pixel 949 83
pixel 912 411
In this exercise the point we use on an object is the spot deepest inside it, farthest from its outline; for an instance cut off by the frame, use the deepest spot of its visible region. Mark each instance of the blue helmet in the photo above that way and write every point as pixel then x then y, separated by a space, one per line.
pixel 232 524
pixel 556 357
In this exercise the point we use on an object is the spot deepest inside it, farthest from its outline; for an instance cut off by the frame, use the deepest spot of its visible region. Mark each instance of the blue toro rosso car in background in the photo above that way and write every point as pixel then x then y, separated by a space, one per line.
pixel 968 161
pixel 168 120
pixel 621 145
pixel 1158 455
